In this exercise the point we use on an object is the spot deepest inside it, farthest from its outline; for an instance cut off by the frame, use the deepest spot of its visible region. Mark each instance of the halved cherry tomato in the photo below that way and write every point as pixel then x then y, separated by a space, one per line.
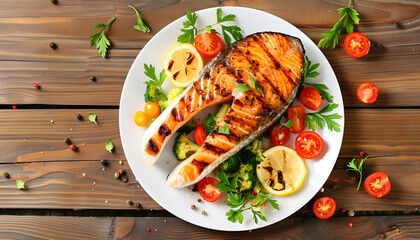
pixel 309 144
pixel 356 45
pixel 310 98
pixel 298 114
pixel 324 207
pixel 377 184
pixel 141 119
pixel 279 136
pixel 207 190
pixel 208 44
pixel 152 109
pixel 367 92
pixel 200 135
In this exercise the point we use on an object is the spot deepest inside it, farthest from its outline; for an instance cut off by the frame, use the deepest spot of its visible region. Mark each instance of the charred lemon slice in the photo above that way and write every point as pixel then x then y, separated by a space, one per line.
pixel 282 171
pixel 182 64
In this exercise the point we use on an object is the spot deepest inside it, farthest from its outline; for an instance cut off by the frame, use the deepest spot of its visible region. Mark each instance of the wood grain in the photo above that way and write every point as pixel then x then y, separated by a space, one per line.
pixel 55 176
pixel 125 228
pixel 64 73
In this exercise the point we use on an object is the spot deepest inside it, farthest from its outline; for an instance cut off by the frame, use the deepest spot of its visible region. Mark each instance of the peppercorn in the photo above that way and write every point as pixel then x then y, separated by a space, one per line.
pixel 121 172
pixel 192 206
pixel 78 116
pixel 203 212
pixel 195 188
pixel 149 230
pixel 351 213
pixel 36 85
pixel 6 175
pixel 379 45
pixel 124 179
pixel 14 106
pixel 73 147
pixel 138 205
pixel 54 1
pixel 92 78
pixel 199 200
pixel 129 202
pixel 362 153
pixel 104 163
pixel 397 23
pixel 351 224
pixel 116 175
pixel 53 45
pixel 67 140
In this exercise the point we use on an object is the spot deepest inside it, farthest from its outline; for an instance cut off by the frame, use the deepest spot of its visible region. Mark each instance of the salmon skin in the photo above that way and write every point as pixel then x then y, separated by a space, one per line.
pixel 274 61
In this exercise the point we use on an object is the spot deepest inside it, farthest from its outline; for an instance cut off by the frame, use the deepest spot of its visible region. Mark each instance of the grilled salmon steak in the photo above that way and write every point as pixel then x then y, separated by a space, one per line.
pixel 270 64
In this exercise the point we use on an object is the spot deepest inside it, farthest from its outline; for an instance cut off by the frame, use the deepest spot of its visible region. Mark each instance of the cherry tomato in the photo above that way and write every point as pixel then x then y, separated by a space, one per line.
pixel 310 98
pixel 208 44
pixel 309 144
pixel 356 45
pixel 298 114
pixel 141 119
pixel 207 190
pixel 367 92
pixel 377 184
pixel 324 207
pixel 200 135
pixel 279 136
pixel 152 109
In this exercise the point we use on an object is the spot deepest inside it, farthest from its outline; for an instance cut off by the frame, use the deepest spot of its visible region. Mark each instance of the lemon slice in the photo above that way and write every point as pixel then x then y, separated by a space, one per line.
pixel 182 64
pixel 282 171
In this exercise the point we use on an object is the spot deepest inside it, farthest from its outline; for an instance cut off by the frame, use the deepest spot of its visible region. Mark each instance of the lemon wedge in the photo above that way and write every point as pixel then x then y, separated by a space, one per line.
pixel 282 171
pixel 182 64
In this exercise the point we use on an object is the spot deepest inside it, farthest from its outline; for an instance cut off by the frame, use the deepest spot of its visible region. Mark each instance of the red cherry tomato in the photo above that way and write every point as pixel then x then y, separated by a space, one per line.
pixel 298 114
pixel 377 184
pixel 200 135
pixel 356 45
pixel 309 144
pixel 324 207
pixel 207 190
pixel 367 92
pixel 208 44
pixel 279 136
pixel 310 98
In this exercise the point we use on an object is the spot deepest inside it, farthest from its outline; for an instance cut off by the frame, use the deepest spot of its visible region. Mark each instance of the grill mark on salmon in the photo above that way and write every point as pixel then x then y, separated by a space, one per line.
pixel 213 148
pixel 151 146
pixel 164 130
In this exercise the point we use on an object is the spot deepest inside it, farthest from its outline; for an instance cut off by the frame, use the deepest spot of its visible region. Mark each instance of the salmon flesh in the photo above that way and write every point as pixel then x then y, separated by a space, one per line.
pixel 271 64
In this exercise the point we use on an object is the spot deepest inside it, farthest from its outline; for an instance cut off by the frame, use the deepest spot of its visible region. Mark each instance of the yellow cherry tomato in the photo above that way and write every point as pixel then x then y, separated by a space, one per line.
pixel 141 119
pixel 152 109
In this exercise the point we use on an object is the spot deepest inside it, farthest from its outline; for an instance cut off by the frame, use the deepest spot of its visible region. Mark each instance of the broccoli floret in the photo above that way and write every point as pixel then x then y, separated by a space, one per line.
pixel 210 120
pixel 152 93
pixel 252 154
pixel 173 94
pixel 246 177
pixel 183 145
pixel 188 127
pixel 231 165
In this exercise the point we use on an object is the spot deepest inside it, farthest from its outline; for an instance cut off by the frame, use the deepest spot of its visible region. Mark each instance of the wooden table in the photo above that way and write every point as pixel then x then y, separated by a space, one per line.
pixel 71 195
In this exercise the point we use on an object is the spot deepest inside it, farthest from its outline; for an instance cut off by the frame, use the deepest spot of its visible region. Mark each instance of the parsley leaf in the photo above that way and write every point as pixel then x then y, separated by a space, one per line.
pixel 141 26
pixel 224 129
pixel 288 124
pixel 331 37
pixel 254 82
pixel 20 184
pixel 92 117
pixel 235 200
pixel 102 43
pixel 313 120
pixel 225 185
pixel 188 33
pixel 235 215
pixel 243 87
pixel 352 166
pixel 150 71
pixel 109 145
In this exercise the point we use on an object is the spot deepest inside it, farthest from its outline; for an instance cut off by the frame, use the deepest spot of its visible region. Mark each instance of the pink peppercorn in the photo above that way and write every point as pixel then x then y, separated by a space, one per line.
pixel 362 153
pixel 149 230
pixel 14 106
pixel 36 85
pixel 351 224
pixel 73 147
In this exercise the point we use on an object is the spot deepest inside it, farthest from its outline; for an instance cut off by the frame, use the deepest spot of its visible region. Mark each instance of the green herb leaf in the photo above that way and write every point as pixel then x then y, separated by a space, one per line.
pixel 319 118
pixel 149 71
pixel 243 87
pixel 331 37
pixel 141 26
pixel 274 204
pixel 353 167
pixel 255 82
pixel 92 117
pixel 235 215
pixel 224 129
pixel 235 200
pixel 100 39
pixel 188 33
pixel 288 124
pixel 20 184
pixel 109 145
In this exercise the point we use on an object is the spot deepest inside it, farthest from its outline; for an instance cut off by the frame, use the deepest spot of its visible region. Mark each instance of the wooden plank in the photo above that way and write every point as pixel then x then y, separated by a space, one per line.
pixel 125 228
pixel 64 73
pixel 55 176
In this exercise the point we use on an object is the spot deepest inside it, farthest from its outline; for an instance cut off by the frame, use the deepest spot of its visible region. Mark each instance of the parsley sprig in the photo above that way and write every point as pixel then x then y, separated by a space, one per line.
pixel 352 166
pixel 346 21
pixel 150 71
pixel 310 72
pixel 288 124
pixel 238 201
pixel 228 32
pixel 317 119
pixel 100 39
pixel 141 26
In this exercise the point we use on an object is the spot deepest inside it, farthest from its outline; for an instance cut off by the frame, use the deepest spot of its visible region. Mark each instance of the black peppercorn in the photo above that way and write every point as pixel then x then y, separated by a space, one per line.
pixel 54 1
pixel 53 45
pixel 6 174
pixel 67 140
pixel 138 205
pixel 78 116
pixel 124 179
pixel 104 163
pixel 92 78
pixel 121 172
pixel 129 202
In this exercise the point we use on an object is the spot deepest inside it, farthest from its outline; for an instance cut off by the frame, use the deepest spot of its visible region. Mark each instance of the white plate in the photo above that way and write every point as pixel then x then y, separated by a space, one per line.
pixel 153 179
